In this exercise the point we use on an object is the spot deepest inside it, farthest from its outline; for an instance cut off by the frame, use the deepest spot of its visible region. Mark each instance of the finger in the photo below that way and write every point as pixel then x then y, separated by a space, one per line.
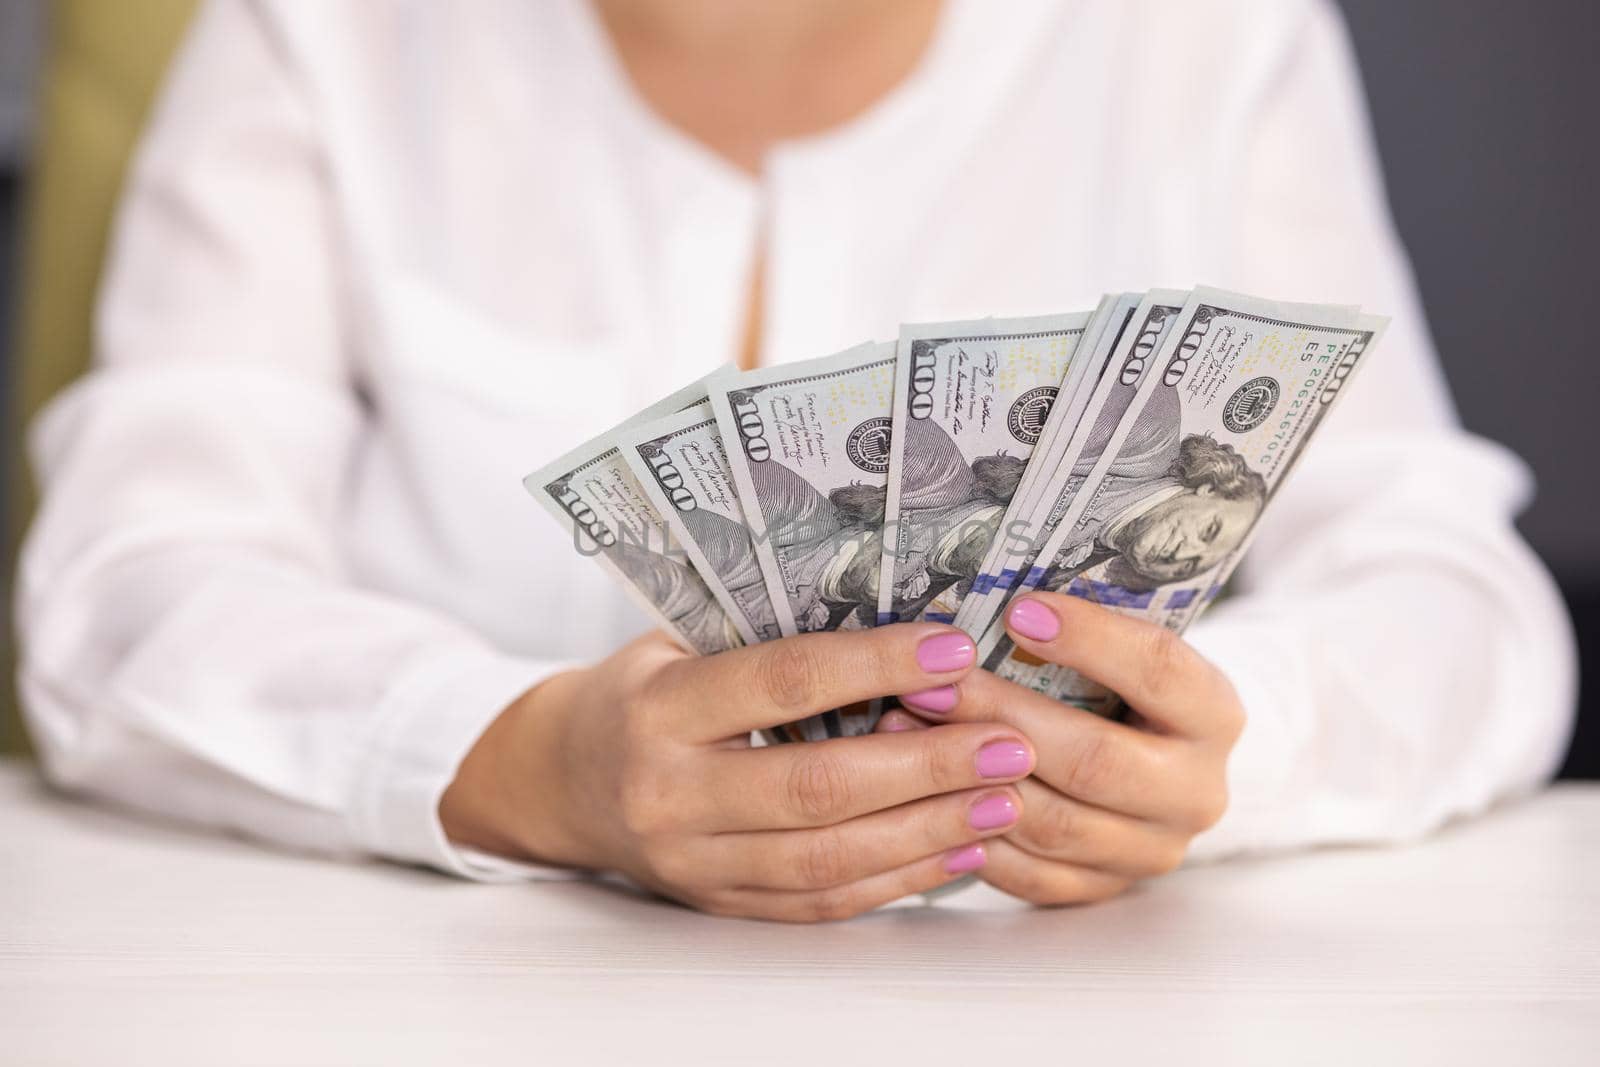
pixel 850 899
pixel 1149 666
pixel 897 721
pixel 792 787
pixel 837 855
pixel 1108 764
pixel 1040 881
pixel 777 682
pixel 1056 827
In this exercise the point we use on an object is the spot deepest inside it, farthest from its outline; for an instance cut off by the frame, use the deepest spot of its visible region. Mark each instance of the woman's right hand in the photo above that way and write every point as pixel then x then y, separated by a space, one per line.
pixel 642 764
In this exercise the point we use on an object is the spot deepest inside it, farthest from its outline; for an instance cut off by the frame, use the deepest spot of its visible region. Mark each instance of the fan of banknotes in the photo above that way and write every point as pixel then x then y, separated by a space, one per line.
pixel 1123 455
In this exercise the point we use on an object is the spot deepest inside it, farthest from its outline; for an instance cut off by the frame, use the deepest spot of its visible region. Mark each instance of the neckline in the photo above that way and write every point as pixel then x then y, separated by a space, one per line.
pixel 891 110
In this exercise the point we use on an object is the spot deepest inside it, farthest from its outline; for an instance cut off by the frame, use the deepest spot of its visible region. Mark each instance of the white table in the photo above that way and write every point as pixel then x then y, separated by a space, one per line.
pixel 127 942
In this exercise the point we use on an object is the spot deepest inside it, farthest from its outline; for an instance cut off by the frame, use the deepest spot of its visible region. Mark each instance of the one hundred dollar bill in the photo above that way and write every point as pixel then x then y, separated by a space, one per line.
pixel 1022 539
pixel 809 447
pixel 1105 329
pixel 1100 336
pixel 592 491
pixel 680 461
pixel 972 399
pixel 1236 389
pixel 811 463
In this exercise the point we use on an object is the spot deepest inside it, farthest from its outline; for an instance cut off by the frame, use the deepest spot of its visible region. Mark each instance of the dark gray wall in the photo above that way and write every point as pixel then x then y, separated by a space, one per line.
pixel 21 38
pixel 1486 118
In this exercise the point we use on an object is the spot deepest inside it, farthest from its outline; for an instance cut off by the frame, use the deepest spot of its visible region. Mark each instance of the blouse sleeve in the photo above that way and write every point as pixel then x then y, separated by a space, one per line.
pixel 1403 657
pixel 192 644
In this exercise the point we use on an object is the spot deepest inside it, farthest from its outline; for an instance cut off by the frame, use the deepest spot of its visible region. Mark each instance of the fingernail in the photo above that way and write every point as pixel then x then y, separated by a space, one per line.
pixel 946 652
pixel 1002 759
pixel 1033 620
pixel 894 722
pixel 940 700
pixel 967 858
pixel 992 812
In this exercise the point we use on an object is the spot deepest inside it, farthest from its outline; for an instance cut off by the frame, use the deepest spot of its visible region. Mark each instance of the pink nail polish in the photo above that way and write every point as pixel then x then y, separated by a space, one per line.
pixel 1033 620
pixel 946 652
pixel 964 859
pixel 1002 759
pixel 992 812
pixel 893 723
pixel 940 700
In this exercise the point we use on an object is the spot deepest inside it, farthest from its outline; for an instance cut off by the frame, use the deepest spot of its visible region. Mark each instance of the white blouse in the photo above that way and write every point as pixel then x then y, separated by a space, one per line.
pixel 376 261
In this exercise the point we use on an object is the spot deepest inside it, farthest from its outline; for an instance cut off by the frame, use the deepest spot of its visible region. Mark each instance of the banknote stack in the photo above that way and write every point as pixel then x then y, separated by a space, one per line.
pixel 1123 455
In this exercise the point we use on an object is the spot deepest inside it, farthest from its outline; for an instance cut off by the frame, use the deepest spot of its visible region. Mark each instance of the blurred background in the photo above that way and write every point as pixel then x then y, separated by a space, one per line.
pixel 1484 114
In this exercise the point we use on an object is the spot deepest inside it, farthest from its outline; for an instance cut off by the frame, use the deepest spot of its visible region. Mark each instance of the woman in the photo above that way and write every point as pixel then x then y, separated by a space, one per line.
pixel 376 262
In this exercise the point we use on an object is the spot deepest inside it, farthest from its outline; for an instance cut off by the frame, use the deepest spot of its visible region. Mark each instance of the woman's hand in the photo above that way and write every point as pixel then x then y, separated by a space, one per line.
pixel 642 764
pixel 1110 802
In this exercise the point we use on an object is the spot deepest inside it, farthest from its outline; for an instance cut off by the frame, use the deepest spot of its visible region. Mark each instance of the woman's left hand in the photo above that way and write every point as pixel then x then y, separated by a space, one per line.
pixel 1110 802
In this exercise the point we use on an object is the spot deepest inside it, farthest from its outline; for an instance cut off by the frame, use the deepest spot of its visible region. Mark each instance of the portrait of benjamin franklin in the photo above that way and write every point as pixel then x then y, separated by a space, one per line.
pixel 1170 507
